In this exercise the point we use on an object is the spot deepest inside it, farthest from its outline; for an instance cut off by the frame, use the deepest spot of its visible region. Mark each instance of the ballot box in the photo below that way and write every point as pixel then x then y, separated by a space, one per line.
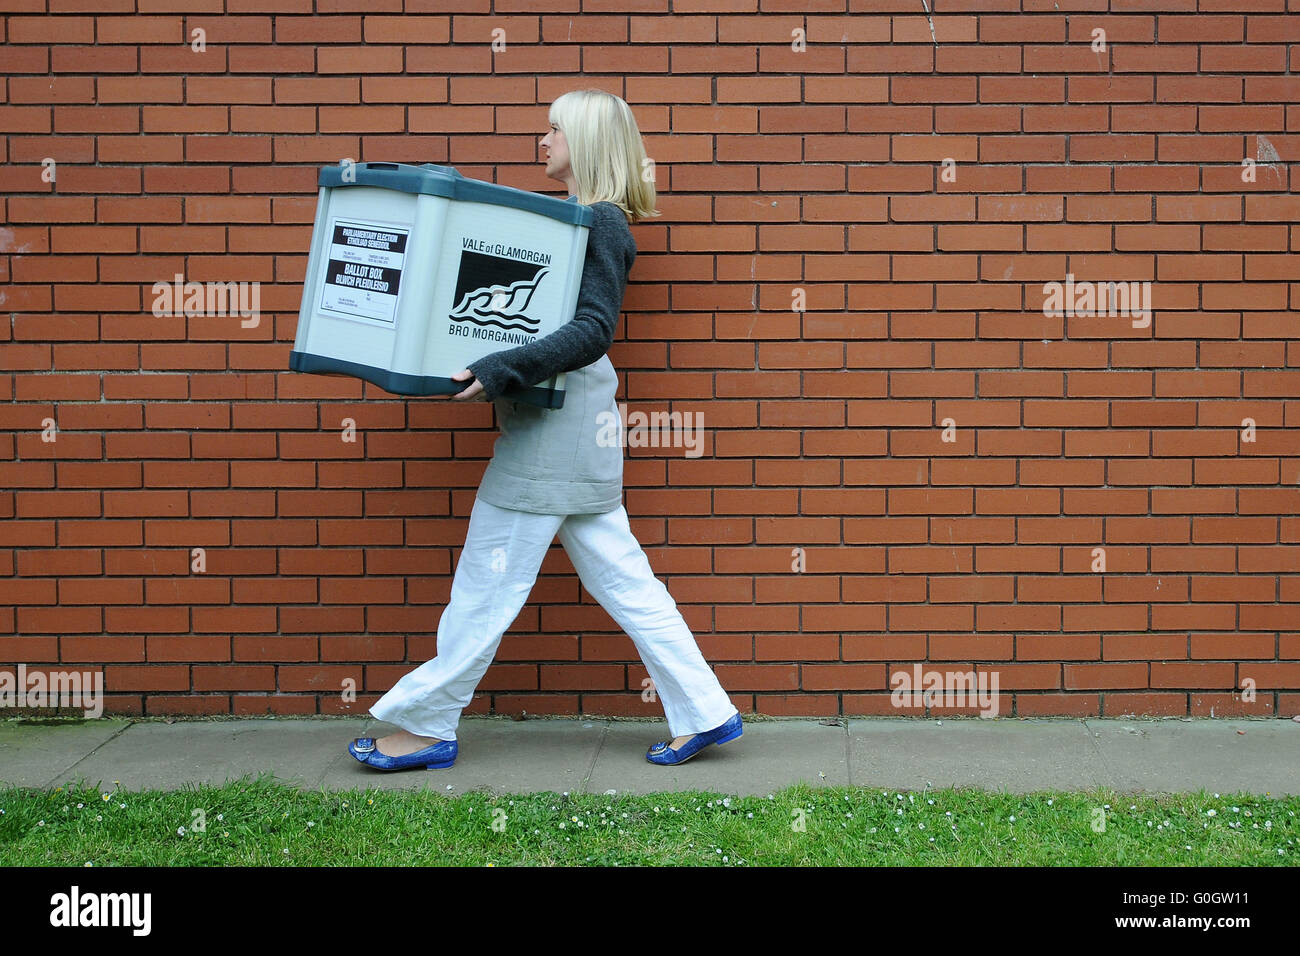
pixel 416 271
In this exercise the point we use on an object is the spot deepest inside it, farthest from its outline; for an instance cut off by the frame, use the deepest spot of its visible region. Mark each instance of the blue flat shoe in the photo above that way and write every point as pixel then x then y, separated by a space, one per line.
pixel 438 757
pixel 662 753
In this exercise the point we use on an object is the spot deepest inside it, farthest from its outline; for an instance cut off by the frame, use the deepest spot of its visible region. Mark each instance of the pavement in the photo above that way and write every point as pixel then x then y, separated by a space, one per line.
pixel 1127 755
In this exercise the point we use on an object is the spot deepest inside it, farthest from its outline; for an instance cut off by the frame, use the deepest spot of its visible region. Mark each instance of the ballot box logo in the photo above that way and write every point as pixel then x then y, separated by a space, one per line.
pixel 496 291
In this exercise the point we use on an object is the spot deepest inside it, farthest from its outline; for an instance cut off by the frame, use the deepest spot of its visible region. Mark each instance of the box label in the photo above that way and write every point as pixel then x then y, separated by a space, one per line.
pixel 364 273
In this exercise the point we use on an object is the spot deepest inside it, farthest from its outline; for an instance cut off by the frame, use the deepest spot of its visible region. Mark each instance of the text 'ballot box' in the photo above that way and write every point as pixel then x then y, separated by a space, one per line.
pixel 416 271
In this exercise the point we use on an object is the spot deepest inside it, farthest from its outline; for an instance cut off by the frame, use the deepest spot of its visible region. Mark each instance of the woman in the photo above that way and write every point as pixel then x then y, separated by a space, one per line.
pixel 551 474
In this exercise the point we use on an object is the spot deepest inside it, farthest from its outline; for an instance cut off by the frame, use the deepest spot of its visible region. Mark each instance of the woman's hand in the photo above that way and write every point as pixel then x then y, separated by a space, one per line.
pixel 472 394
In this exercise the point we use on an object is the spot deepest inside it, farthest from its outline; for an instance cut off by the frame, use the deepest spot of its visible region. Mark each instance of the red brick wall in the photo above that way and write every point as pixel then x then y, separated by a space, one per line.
pixel 779 170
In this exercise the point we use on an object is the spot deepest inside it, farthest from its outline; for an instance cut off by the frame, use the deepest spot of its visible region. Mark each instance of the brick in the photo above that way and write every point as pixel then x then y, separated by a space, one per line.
pixel 138 29
pixel 359 60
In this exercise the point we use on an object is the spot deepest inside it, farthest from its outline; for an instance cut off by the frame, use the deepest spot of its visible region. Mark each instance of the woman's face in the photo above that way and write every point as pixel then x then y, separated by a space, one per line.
pixel 556 150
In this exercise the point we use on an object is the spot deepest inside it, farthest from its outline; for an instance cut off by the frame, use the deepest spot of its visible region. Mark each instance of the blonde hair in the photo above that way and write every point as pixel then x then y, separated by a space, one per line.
pixel 606 153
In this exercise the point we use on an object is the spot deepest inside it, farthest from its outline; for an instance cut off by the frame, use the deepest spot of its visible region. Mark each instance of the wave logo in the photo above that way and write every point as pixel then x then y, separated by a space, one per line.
pixel 495 291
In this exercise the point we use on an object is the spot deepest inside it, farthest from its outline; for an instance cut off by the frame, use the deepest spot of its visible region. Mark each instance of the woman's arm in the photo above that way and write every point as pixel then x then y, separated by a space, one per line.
pixel 588 336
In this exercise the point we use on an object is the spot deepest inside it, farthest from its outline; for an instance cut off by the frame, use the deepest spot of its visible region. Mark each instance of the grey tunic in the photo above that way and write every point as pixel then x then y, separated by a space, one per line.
pixel 566 460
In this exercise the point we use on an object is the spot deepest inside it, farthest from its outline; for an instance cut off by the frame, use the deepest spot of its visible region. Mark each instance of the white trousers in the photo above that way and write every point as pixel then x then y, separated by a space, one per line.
pixel 494 576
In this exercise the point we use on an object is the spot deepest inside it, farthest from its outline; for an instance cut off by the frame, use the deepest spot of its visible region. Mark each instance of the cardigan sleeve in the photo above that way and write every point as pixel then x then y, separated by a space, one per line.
pixel 588 336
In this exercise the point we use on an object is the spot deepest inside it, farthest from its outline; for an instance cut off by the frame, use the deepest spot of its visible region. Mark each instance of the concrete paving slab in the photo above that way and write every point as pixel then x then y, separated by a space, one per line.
pixel 592 755
pixel 768 756
pixel 1222 756
pixel 37 755
pixel 999 754
pixel 497 755
pixel 151 755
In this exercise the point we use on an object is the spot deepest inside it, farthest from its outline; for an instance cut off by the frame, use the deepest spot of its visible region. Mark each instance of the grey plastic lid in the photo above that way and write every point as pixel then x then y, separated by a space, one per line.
pixel 447 181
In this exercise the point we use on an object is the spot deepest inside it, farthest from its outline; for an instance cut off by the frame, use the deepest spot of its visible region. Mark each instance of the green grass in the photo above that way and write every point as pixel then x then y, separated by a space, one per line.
pixel 261 822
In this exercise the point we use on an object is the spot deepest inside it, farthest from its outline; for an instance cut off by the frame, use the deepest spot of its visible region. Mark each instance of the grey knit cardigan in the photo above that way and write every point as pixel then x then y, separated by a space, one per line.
pixel 566 460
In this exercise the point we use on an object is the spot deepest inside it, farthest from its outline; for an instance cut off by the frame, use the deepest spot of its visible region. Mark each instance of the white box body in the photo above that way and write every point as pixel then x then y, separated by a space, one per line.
pixel 405 287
